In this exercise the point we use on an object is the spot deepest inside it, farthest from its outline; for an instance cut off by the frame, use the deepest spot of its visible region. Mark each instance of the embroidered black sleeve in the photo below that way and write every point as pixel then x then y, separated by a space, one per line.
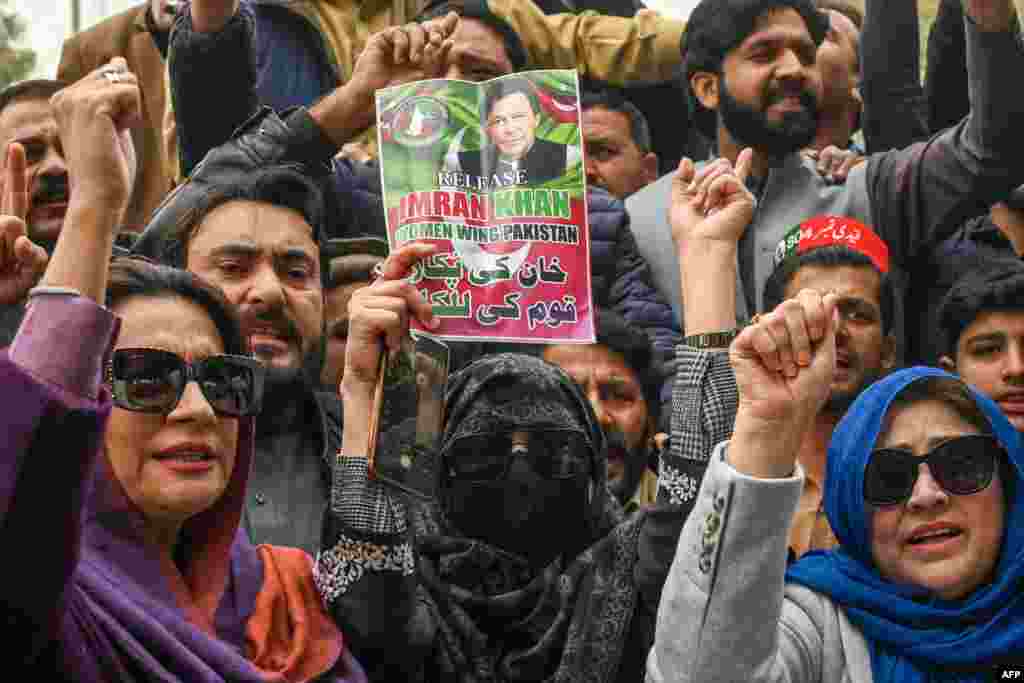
pixel 704 402
pixel 364 532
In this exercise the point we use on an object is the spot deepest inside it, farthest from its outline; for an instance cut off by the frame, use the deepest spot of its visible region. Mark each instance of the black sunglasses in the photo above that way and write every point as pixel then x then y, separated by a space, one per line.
pixel 553 454
pixel 961 466
pixel 153 381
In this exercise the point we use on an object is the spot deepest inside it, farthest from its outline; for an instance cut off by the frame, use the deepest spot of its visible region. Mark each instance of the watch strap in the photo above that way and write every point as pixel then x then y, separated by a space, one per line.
pixel 711 340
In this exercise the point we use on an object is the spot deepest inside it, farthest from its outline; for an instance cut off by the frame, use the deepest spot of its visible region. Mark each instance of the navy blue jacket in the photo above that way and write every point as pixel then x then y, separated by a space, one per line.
pixel 620 278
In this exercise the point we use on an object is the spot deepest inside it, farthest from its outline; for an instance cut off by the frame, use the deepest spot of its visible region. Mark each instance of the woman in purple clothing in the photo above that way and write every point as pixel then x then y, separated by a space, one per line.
pixel 125 447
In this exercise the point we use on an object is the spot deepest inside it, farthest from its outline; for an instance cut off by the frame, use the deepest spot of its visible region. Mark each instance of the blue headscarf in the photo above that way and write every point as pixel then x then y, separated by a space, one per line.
pixel 912 636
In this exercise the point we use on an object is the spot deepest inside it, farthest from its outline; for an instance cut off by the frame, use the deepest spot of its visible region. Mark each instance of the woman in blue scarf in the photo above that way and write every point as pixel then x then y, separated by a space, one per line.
pixel 922 491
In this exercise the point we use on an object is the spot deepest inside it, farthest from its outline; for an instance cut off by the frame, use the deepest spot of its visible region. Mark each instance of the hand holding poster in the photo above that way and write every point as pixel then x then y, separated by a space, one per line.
pixel 493 173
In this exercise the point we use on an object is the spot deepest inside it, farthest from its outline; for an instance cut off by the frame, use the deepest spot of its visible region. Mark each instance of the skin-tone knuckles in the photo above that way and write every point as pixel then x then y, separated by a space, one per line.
pixel 784 366
pixel 95 109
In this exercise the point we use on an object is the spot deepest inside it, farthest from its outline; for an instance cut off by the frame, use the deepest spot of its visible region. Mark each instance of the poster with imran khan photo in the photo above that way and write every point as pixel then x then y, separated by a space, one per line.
pixel 493 174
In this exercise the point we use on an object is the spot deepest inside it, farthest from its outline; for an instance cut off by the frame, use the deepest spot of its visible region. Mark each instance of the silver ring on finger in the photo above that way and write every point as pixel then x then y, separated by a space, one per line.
pixel 112 75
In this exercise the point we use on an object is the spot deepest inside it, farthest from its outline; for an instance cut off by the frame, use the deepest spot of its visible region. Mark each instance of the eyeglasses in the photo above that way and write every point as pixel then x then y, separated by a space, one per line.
pixel 961 466
pixel 153 381
pixel 553 454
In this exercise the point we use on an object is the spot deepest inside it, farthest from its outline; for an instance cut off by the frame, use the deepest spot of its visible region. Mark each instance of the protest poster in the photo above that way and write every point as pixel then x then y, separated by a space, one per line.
pixel 492 172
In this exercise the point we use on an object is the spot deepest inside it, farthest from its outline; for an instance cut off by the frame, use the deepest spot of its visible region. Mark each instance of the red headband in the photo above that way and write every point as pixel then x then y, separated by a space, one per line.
pixel 825 231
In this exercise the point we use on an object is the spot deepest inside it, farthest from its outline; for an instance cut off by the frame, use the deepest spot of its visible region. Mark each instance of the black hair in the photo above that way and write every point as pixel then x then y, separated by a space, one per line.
pixel 478 9
pixel 998 285
pixel 616 334
pixel 613 100
pixel 283 186
pixel 716 27
pixel 510 86
pixel 34 89
pixel 136 277
pixel 831 256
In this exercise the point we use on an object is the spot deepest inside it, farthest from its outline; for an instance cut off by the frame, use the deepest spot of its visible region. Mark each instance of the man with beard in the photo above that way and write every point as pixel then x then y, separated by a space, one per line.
pixel 981 323
pixel 617 376
pixel 27 123
pixel 257 237
pixel 752 69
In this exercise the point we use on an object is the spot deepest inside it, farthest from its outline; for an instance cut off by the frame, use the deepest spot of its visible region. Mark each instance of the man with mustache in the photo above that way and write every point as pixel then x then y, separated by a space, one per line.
pixel 756 82
pixel 618 377
pixel 28 124
pixel 981 324
pixel 26 119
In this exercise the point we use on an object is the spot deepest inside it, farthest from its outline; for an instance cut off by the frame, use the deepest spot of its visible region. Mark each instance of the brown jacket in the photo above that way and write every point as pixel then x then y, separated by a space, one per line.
pixel 126 35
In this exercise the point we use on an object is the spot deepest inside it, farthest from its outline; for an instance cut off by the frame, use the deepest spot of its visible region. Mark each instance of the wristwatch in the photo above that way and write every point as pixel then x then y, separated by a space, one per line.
pixel 711 340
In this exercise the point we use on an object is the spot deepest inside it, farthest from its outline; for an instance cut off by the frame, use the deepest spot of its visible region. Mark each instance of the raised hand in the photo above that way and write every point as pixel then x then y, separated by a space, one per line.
pixel 94 116
pixel 22 262
pixel 834 164
pixel 712 203
pixel 378 316
pixel 402 54
pixel 784 364
pixel 378 319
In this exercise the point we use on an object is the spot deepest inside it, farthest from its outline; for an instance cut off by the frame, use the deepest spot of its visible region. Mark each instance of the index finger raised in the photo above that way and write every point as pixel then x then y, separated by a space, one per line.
pixel 15 195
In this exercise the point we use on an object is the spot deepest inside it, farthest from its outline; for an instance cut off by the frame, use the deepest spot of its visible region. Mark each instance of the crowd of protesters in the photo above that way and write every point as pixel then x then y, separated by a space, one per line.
pixel 793 452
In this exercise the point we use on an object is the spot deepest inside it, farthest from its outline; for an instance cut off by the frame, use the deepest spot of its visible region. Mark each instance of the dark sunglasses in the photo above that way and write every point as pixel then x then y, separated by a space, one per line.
pixel 153 381
pixel 553 454
pixel 961 466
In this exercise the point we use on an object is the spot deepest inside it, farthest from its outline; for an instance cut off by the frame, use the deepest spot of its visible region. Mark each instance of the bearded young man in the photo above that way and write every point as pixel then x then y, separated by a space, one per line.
pixel 752 67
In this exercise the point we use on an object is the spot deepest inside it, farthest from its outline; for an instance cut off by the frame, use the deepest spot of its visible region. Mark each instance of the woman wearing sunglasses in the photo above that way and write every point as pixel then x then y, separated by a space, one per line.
pixel 125 447
pixel 923 491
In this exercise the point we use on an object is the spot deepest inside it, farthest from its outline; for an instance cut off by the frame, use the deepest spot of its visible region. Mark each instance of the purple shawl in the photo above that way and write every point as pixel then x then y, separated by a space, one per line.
pixel 85 597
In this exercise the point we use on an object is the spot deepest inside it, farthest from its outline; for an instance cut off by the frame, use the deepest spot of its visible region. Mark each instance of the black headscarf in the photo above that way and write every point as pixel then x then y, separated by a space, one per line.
pixel 500 617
